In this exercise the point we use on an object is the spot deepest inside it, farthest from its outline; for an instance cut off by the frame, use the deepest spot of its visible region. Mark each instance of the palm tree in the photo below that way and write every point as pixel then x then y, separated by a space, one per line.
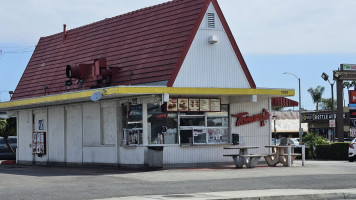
pixel 316 94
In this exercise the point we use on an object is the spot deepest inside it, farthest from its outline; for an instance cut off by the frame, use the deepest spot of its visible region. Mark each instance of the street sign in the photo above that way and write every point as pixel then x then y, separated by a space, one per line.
pixel 352 132
pixel 352 96
pixel 332 123
pixel 348 66
pixel 349 75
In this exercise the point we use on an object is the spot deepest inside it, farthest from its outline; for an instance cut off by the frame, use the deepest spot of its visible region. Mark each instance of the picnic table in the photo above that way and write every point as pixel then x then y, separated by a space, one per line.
pixel 243 158
pixel 283 154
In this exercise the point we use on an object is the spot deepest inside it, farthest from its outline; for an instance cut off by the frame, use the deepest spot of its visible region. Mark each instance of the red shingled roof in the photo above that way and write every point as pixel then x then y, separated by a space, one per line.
pixel 146 46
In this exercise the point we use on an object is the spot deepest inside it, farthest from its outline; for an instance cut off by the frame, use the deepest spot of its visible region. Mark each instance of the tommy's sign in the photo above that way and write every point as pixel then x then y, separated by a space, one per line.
pixel 244 118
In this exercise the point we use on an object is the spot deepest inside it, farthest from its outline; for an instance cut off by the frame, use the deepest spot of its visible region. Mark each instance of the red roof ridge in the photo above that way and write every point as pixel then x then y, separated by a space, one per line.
pixel 115 17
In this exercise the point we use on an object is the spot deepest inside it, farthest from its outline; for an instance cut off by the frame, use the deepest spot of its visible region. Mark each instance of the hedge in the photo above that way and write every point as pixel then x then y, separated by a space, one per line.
pixel 335 151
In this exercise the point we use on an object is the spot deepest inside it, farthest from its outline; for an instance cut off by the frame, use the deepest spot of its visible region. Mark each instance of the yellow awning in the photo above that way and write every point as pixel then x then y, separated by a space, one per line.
pixel 119 91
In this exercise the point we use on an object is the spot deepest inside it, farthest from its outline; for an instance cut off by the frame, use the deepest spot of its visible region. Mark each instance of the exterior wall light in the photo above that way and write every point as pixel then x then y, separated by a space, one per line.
pixel 213 39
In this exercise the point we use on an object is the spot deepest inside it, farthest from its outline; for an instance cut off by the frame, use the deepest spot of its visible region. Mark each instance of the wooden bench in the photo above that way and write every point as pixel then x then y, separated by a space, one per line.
pixel 250 160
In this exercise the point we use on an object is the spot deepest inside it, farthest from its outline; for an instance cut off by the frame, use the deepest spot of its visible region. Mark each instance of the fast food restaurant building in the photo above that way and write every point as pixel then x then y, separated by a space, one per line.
pixel 169 75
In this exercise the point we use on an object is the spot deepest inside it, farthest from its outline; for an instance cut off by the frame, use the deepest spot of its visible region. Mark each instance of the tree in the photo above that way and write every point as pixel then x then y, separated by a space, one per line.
pixel 277 108
pixel 313 139
pixel 326 103
pixel 8 128
pixel 316 95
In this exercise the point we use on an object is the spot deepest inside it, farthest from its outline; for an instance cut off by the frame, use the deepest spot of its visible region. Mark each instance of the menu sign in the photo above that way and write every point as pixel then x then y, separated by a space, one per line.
pixel 172 104
pixel 215 105
pixel 182 104
pixel 194 105
pixel 204 104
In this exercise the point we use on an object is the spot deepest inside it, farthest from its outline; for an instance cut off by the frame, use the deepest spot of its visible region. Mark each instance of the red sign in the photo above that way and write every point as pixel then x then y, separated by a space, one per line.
pixel 243 118
pixel 352 96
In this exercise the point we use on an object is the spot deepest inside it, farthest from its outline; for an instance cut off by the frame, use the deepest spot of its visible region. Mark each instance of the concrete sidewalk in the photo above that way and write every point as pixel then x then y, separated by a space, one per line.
pixel 274 194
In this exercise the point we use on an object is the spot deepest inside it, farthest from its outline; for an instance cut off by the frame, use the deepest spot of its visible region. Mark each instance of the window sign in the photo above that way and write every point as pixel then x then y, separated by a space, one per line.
pixel 204 104
pixel 194 104
pixel 182 104
pixel 41 124
pixel 215 105
pixel 39 143
pixel 172 104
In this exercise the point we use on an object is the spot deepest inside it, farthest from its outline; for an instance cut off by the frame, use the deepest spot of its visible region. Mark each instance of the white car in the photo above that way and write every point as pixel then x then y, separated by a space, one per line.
pixel 352 150
pixel 296 141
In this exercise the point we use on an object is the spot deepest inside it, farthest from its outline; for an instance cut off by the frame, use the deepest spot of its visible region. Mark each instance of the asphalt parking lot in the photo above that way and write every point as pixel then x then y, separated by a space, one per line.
pixel 43 182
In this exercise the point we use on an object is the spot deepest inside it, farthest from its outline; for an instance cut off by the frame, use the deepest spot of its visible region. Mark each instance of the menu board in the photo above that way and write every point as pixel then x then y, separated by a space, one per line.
pixel 215 105
pixel 204 104
pixel 194 105
pixel 182 104
pixel 172 104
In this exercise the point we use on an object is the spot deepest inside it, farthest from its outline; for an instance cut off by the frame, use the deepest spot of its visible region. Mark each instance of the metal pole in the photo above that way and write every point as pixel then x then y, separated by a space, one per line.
pixel 275 132
pixel 339 113
pixel 332 109
pixel 300 115
pixel 300 108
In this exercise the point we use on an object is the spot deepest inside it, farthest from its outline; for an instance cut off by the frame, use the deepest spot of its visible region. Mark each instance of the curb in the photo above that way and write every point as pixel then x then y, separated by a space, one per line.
pixel 8 162
pixel 273 194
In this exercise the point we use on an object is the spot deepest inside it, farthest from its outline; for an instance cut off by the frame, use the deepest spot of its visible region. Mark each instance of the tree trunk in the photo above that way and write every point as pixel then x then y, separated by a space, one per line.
pixel 317 106
pixel 8 145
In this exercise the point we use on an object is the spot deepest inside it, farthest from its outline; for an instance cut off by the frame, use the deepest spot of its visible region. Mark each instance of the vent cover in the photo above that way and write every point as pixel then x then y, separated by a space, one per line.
pixel 211 20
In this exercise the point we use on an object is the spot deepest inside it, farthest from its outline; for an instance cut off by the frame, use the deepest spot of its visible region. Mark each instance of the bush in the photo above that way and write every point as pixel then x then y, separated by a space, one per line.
pixel 308 154
pixel 335 151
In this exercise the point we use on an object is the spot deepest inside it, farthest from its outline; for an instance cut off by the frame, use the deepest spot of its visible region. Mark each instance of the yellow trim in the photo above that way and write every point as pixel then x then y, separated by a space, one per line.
pixel 148 90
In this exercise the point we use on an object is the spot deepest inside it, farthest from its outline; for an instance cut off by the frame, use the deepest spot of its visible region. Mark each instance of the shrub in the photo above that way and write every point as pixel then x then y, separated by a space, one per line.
pixel 335 151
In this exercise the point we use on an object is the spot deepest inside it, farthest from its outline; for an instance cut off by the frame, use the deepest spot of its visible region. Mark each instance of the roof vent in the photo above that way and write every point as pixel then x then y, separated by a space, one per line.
pixel 64 32
pixel 211 20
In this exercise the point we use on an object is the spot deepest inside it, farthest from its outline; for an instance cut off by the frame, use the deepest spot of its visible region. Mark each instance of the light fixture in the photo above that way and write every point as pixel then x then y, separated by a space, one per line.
pixel 213 39
pixel 11 93
pixel 336 74
pixel 324 76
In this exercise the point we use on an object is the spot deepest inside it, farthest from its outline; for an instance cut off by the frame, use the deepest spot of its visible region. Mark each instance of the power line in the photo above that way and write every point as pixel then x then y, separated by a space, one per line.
pixel 17 47
pixel 21 49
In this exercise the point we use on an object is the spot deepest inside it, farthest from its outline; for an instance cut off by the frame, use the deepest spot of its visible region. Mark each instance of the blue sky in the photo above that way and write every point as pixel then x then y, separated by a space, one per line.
pixel 275 36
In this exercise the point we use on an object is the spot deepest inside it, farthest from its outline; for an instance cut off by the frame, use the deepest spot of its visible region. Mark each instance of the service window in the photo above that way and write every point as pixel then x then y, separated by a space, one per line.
pixel 162 127
pixel 132 124
pixel 204 127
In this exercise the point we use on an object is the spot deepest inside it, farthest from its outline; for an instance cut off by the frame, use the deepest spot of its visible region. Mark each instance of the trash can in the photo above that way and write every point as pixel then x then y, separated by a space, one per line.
pixel 155 156
pixel 235 139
